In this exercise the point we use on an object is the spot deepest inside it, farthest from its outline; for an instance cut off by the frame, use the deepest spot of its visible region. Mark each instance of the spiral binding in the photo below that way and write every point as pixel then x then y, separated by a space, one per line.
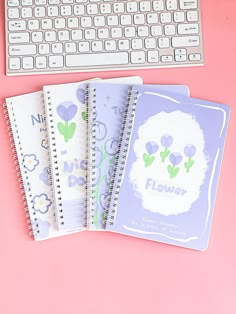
pixel 24 185
pixel 53 169
pixel 120 160
pixel 91 154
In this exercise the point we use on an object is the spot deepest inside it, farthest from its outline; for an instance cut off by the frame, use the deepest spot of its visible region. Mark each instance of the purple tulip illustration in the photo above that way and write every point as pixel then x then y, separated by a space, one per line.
pixel 66 111
pixel 101 130
pixel 80 94
pixel 83 165
pixel 111 146
pixel 166 141
pixel 151 148
pixel 175 159
pixel 189 151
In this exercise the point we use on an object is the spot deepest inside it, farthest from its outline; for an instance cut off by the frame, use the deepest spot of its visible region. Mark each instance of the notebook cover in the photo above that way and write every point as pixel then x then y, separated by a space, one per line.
pixel 28 125
pixel 109 103
pixel 66 113
pixel 172 164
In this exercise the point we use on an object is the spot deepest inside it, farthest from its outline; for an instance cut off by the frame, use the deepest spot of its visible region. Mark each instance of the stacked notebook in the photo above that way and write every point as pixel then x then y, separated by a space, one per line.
pixel 117 155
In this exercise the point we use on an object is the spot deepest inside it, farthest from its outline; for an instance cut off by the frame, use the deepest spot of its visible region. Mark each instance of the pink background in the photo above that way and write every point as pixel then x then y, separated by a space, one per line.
pixel 103 273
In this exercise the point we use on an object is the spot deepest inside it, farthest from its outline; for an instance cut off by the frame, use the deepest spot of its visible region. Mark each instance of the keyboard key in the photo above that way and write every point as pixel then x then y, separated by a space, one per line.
pixel 130 32
pixel 152 18
pixel 137 44
pixel 13 3
pixel 167 59
pixel 163 42
pixel 39 12
pixel 137 57
pixel 153 56
pixel 22 50
pixel 44 49
pixel 26 13
pixel 150 43
pixel 33 25
pixel 171 5
pixel 112 20
pixel 76 34
pixel 188 29
pixel 165 17
pixel 37 37
pixel 57 48
pixel 15 38
pixel 145 6
pixel 132 7
pixel 60 23
pixel 41 62
pixel 13 13
pixel 139 19
pixel 192 16
pixel 158 5
pixel 55 61
pixel 70 47
pixel 97 45
pixel 179 17
pixel 185 41
pixel 14 63
pixel 50 36
pixel 194 57
pixel 123 44
pixel 110 45
pixel 27 63
pixel 84 46
pixel 101 59
pixel 17 25
pixel 188 4
pixel 99 20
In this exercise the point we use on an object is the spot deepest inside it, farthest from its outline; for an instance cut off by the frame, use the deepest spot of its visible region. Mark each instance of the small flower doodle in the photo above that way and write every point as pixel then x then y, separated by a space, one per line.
pixel 151 148
pixel 166 141
pixel 101 130
pixel 189 151
pixel 44 176
pixel 67 111
pixel 80 94
pixel 111 146
pixel 175 159
pixel 30 162
pixel 44 144
pixel 41 203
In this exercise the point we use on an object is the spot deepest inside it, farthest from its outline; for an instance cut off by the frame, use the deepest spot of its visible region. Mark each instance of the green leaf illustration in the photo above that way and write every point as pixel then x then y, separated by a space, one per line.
pixel 188 164
pixel 148 159
pixel 84 115
pixel 164 154
pixel 173 171
pixel 71 130
pixel 61 127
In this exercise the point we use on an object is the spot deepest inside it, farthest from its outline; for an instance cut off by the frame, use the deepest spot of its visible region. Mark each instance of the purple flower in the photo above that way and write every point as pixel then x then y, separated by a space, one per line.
pixel 66 110
pixel 30 162
pixel 175 159
pixel 80 94
pixel 166 140
pixel 190 150
pixel 110 174
pixel 111 146
pixel 44 176
pixel 97 175
pixel 101 130
pixel 152 147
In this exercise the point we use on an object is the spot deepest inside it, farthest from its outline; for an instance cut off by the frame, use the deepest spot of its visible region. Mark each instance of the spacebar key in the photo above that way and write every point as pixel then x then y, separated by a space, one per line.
pixel 83 60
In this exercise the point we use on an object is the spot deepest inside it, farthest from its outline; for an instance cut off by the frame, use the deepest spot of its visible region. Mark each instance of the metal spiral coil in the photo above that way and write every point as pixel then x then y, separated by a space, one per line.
pixel 53 162
pixel 120 159
pixel 90 94
pixel 24 185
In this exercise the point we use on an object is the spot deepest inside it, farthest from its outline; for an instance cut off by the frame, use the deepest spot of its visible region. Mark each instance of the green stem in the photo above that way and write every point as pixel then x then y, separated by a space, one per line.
pixel 66 129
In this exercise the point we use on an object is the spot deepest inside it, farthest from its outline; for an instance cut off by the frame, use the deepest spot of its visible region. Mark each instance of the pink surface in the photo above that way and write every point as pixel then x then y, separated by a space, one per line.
pixel 103 273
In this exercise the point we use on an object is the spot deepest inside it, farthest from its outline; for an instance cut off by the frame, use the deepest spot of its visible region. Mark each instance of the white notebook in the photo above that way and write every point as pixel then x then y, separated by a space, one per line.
pixel 26 122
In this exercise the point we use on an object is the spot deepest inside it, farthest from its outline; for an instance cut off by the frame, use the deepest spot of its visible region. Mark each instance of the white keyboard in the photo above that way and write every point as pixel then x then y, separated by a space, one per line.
pixel 48 36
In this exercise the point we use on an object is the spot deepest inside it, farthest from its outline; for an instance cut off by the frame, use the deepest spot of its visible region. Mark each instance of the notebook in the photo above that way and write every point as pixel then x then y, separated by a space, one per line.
pixel 27 125
pixel 66 112
pixel 107 103
pixel 168 168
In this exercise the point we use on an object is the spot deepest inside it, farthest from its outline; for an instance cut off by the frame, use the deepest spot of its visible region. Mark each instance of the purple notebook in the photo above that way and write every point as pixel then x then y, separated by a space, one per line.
pixel 105 119
pixel 168 168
